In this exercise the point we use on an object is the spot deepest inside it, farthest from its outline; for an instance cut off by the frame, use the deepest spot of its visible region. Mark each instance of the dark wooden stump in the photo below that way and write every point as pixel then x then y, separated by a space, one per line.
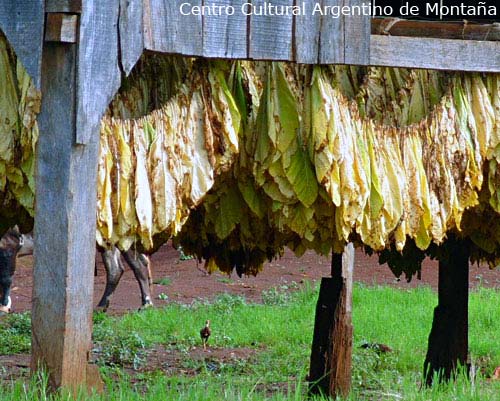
pixel 331 351
pixel 448 340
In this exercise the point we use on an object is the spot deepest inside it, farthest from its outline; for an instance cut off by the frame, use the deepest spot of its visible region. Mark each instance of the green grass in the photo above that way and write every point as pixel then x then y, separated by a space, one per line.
pixel 281 332
pixel 163 281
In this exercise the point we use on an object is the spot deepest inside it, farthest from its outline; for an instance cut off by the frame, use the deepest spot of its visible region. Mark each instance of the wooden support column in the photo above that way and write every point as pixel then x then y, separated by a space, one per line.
pixel 331 351
pixel 66 176
pixel 448 340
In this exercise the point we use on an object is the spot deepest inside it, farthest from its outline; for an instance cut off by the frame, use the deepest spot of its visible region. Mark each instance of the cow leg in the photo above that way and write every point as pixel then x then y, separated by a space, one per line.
pixel 7 268
pixel 5 300
pixel 114 271
pixel 139 264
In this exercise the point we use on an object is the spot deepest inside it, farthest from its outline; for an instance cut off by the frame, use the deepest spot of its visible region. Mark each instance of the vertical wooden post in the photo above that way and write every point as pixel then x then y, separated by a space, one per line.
pixel 66 176
pixel 331 351
pixel 448 340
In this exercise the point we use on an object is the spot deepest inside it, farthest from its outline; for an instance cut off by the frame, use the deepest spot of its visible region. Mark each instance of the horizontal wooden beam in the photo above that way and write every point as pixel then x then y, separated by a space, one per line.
pixel 438 54
pixel 435 29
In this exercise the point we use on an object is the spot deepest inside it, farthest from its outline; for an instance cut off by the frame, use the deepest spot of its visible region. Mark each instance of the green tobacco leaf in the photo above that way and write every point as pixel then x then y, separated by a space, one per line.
pixel 252 198
pixel 300 219
pixel 285 109
pixel 303 178
pixel 230 206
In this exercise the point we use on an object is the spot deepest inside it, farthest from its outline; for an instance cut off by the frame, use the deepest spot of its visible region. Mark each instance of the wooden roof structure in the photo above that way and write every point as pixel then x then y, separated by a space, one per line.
pixel 77 52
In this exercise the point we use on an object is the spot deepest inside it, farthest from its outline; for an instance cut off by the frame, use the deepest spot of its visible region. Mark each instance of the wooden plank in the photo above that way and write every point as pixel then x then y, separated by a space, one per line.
pixel 61 28
pixel 435 29
pixel 341 333
pixel 356 35
pixel 131 33
pixel 440 54
pixel 22 23
pixel 98 67
pixel 167 30
pixel 271 35
pixel 331 351
pixel 64 229
pixel 63 6
pixel 224 35
pixel 331 41
pixel 307 34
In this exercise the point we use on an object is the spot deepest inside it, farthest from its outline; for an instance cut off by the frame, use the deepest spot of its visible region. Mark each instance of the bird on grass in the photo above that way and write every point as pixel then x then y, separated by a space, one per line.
pixel 378 348
pixel 205 334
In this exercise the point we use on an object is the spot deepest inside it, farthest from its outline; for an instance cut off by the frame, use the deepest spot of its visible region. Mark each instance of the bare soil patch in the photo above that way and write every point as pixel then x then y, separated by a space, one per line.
pixel 186 281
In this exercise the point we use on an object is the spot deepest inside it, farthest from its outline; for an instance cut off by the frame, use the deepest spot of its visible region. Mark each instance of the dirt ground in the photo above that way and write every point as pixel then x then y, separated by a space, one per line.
pixel 187 281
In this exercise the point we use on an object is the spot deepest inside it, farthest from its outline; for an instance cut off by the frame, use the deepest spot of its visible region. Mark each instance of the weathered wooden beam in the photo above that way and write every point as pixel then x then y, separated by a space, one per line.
pixel 307 36
pixel 449 338
pixel 66 176
pixel 435 29
pixel 22 23
pixel 64 229
pixel 98 65
pixel 131 29
pixel 356 36
pixel 167 30
pixel 331 40
pixel 271 36
pixel 439 54
pixel 341 334
pixel 61 27
pixel 331 351
pixel 63 6
pixel 225 36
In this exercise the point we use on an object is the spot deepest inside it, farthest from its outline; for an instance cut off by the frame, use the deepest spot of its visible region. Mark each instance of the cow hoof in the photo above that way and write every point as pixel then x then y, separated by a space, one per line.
pixel 146 306
pixel 4 310
pixel 102 307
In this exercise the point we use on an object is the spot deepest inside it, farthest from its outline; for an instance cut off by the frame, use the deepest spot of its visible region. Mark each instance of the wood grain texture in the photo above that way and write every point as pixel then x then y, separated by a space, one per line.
pixel 357 31
pixel 61 27
pixel 331 41
pixel 439 54
pixel 22 23
pixel 340 360
pixel 98 68
pixel 271 36
pixel 166 30
pixel 64 228
pixel 131 33
pixel 225 36
pixel 63 6
pixel 331 351
pixel 307 34
pixel 435 29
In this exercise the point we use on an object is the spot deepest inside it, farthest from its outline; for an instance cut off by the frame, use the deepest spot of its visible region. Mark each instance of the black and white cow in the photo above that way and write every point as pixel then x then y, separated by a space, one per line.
pixel 13 244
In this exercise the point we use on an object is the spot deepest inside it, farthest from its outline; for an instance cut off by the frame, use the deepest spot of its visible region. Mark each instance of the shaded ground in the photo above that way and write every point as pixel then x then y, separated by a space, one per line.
pixel 185 281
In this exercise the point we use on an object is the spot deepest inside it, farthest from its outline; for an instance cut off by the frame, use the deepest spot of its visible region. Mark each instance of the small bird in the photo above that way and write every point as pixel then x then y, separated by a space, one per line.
pixel 378 348
pixel 205 333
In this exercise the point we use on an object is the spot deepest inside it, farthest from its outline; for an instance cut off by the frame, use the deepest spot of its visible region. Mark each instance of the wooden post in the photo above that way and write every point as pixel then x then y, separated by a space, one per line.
pixel 331 353
pixel 66 176
pixel 448 340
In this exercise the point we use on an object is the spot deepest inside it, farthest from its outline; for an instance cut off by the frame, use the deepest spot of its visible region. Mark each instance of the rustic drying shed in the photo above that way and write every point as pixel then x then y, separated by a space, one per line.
pixel 77 52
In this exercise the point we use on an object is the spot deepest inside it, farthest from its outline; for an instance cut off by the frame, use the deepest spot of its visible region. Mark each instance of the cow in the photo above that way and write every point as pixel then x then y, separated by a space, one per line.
pixel 140 265
pixel 14 244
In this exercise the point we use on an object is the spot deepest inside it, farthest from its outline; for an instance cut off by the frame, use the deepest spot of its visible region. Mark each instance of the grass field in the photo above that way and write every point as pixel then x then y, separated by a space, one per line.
pixel 278 334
